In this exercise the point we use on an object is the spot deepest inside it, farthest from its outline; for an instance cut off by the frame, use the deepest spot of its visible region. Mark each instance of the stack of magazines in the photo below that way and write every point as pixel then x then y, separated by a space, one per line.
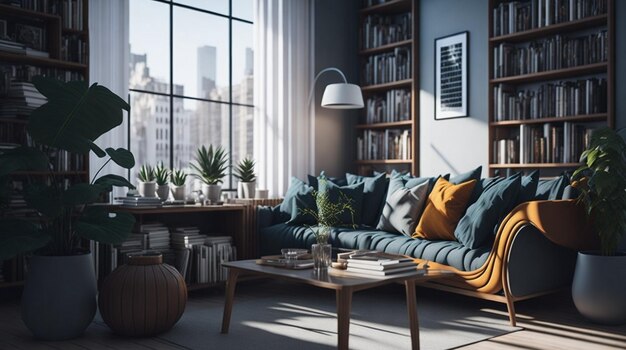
pixel 141 202
pixel 380 264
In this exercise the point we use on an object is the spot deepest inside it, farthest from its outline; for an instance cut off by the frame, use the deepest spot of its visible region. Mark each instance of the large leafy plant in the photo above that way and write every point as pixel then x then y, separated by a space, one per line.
pixel 210 165
pixel 602 183
pixel 73 118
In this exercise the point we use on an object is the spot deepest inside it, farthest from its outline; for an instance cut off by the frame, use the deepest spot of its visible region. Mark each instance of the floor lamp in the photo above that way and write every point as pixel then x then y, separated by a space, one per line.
pixel 339 95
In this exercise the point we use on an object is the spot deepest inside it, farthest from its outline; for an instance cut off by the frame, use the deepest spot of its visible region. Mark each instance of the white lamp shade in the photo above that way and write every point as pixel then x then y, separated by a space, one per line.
pixel 342 96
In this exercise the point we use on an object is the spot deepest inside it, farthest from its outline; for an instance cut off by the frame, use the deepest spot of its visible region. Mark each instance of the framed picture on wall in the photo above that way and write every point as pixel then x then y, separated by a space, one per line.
pixel 451 75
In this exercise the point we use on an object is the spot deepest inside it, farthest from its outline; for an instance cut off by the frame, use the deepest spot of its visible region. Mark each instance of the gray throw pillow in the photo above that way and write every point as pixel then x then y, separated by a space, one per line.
pixel 403 209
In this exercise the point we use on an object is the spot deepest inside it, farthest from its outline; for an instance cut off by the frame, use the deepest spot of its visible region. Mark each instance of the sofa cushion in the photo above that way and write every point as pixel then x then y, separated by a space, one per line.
pixel 470 175
pixel 482 217
pixel 445 206
pixel 403 209
pixel 551 189
pixel 528 187
pixel 286 207
pixel 374 189
pixel 353 194
pixel 303 208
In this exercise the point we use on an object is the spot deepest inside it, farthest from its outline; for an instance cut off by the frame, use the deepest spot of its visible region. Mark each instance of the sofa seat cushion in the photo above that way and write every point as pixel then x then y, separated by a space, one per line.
pixel 450 253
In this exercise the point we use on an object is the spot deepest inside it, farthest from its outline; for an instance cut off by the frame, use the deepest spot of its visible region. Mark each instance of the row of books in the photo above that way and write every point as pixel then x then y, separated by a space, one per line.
pixel 71 11
pixel 546 143
pixel 387 144
pixel 21 49
pixel 516 16
pixel 28 72
pixel 566 98
pixel 392 106
pixel 553 53
pixel 376 263
pixel 387 67
pixel 380 30
pixel 74 48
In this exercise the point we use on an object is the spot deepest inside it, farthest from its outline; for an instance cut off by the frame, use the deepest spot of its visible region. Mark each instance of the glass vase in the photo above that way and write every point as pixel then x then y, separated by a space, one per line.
pixel 321 256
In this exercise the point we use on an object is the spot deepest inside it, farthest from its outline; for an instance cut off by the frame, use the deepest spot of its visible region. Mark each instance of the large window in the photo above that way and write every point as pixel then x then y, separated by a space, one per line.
pixel 191 80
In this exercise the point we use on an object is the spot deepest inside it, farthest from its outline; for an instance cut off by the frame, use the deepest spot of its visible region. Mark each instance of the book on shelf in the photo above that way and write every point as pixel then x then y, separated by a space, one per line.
pixel 385 144
pixel 28 72
pixel 378 30
pixel 70 11
pixel 391 106
pixel 552 53
pixel 140 202
pixel 387 67
pixel 516 16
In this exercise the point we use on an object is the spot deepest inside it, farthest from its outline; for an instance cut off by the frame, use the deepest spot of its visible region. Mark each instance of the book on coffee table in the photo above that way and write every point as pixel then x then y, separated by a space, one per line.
pixel 388 272
pixel 379 258
pixel 304 262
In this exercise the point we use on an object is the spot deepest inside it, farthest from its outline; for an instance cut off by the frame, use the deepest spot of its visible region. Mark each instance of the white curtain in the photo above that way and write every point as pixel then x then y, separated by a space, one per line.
pixel 108 66
pixel 283 66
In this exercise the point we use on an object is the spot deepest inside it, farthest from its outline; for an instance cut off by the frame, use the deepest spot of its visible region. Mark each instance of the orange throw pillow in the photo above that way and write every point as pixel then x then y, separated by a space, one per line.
pixel 444 208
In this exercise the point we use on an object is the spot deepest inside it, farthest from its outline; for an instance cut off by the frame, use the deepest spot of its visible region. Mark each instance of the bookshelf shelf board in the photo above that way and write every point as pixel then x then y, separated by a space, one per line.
pixel 534 165
pixel 573 118
pixel 554 74
pixel 400 124
pixel 535 33
pixel 384 161
pixel 41 61
pixel 11 284
pixel 387 86
pixel 18 11
pixel 46 173
pixel 386 47
pixel 388 7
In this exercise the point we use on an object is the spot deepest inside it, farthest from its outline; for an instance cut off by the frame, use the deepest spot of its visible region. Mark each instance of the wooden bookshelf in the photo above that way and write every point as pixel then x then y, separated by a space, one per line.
pixel 59 28
pixel 399 124
pixel 564 128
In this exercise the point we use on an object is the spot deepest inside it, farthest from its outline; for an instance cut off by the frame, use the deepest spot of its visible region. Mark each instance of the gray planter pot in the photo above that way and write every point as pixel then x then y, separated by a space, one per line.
pixel 246 189
pixel 178 192
pixel 147 189
pixel 163 192
pixel 598 287
pixel 212 193
pixel 59 298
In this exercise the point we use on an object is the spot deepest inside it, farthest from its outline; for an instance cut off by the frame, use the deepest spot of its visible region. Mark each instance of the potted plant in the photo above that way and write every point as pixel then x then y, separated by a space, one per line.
pixel 162 178
pixel 247 179
pixel 147 181
pixel 210 167
pixel 59 297
pixel 178 179
pixel 598 287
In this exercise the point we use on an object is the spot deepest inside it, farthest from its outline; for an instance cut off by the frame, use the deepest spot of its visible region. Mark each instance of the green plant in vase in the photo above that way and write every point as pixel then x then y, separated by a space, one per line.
pixel 147 181
pixel 162 178
pixel 247 178
pixel 210 167
pixel 178 179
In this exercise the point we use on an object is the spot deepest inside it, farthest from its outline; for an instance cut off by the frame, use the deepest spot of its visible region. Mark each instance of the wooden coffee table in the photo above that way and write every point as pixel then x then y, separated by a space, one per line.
pixel 341 281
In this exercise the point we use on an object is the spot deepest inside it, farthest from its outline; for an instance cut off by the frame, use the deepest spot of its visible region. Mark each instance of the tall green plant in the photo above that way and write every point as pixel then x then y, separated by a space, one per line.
pixel 210 165
pixel 245 170
pixel 161 174
pixel 602 183
pixel 74 116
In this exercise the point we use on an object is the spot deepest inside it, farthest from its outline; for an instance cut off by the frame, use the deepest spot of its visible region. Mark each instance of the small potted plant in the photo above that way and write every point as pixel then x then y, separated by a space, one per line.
pixel 210 166
pixel 598 287
pixel 147 183
pixel 162 177
pixel 178 179
pixel 247 179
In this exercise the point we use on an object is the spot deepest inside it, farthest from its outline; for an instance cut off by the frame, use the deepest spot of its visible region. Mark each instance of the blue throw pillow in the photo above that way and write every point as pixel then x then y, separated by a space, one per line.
pixel 529 187
pixel 286 207
pixel 470 175
pixel 303 205
pixel 483 217
pixel 374 190
pixel 351 193
pixel 339 181
pixel 551 189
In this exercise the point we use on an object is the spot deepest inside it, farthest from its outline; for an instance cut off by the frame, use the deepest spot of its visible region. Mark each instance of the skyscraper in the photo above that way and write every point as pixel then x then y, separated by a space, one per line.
pixel 207 67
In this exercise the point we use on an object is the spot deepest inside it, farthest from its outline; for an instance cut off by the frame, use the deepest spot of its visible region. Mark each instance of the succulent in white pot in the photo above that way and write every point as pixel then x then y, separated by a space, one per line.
pixel 162 177
pixel 147 181
pixel 247 179
pixel 210 167
pixel 178 180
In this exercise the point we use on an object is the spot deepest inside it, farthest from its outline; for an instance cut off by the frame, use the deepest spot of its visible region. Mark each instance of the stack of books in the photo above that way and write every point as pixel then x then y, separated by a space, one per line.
pixel 186 237
pixel 141 202
pixel 380 264
pixel 157 234
pixel 22 99
pixel 20 49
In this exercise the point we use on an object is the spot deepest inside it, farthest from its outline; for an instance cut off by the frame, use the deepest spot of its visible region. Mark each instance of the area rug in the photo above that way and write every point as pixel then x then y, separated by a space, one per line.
pixel 278 315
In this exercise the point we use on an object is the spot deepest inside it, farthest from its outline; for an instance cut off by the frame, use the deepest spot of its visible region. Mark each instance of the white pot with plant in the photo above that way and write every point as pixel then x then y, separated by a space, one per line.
pixel 147 181
pixel 247 179
pixel 210 167
pixel 162 177
pixel 177 187
pixel 598 287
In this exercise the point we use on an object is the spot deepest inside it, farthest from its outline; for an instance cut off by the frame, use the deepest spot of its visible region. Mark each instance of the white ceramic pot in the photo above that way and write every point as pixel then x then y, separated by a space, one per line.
pixel 178 192
pixel 147 189
pixel 163 191
pixel 261 194
pixel 246 189
pixel 212 193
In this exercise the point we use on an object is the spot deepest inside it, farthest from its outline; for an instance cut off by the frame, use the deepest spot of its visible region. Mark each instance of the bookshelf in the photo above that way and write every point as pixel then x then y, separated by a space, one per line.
pixel 551 81
pixel 388 127
pixel 37 38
